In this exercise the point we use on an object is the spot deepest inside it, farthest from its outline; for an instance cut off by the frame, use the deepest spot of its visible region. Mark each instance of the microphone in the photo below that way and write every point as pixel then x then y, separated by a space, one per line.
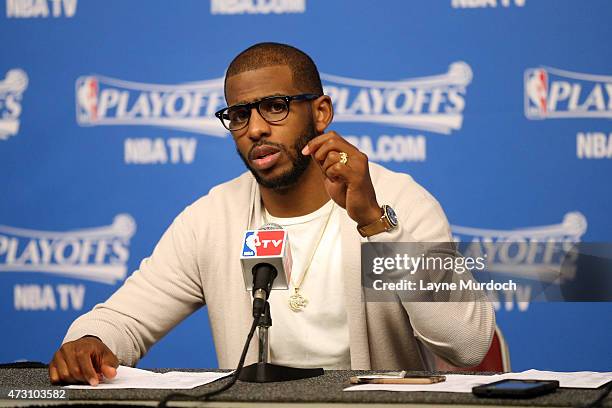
pixel 266 263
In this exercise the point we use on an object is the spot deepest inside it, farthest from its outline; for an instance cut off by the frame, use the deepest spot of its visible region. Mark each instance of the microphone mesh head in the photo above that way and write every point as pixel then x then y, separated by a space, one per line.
pixel 270 226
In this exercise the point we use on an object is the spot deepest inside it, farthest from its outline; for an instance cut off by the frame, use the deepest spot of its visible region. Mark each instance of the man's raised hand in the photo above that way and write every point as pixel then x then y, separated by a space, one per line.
pixel 347 180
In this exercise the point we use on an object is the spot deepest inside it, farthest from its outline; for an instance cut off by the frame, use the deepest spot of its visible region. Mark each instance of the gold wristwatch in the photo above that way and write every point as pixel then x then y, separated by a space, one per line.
pixel 387 222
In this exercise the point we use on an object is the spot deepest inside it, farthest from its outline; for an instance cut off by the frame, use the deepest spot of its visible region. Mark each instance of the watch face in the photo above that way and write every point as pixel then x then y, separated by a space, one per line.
pixel 391 215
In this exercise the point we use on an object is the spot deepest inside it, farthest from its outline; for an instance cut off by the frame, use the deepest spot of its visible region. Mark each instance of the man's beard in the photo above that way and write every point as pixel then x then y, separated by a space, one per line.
pixel 298 160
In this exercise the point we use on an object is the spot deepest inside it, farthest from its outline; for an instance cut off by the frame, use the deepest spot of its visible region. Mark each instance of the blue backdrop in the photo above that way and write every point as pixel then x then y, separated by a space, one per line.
pixel 500 108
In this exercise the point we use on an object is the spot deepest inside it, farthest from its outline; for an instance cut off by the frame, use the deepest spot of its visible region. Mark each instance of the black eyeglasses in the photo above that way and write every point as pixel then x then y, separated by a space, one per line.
pixel 271 108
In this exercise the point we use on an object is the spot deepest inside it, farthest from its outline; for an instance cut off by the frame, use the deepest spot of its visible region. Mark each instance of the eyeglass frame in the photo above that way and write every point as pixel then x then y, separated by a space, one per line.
pixel 255 104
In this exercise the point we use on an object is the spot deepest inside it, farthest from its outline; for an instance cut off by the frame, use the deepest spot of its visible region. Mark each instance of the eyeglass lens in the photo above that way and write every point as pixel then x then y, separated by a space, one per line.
pixel 272 110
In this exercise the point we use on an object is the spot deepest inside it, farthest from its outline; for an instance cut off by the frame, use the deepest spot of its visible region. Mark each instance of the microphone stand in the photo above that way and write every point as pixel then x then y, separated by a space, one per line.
pixel 263 371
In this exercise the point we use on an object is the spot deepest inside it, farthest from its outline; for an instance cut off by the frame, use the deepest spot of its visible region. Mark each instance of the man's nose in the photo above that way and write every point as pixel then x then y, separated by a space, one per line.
pixel 258 127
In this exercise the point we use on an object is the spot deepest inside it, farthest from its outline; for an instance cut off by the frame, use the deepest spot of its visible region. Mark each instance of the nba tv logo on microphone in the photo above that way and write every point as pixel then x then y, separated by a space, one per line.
pixel 270 247
pixel 263 243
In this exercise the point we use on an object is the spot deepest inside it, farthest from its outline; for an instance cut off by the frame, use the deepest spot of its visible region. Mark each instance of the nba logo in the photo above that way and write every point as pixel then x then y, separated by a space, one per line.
pixel 87 99
pixel 536 93
pixel 250 243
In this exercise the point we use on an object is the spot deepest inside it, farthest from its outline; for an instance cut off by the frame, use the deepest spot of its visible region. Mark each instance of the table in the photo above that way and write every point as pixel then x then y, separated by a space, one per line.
pixel 320 391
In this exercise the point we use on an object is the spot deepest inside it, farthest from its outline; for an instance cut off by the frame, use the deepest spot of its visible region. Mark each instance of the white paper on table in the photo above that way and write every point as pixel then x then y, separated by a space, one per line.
pixel 464 383
pixel 128 377
pixel 578 379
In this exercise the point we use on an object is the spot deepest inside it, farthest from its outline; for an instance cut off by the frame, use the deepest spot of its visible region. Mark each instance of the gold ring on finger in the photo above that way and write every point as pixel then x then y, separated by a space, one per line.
pixel 343 158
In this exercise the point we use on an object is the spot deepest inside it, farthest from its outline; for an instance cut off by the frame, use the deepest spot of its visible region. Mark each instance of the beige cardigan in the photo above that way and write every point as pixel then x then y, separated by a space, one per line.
pixel 196 262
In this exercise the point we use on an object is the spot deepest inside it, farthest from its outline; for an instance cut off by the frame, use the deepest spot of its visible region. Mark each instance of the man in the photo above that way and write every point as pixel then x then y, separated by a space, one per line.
pixel 328 196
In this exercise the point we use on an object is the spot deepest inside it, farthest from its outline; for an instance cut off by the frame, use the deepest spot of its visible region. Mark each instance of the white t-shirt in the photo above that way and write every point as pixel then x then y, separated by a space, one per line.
pixel 318 335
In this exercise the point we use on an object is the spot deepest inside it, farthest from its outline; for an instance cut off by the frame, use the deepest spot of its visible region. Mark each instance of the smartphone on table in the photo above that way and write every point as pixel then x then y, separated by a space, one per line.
pixel 516 388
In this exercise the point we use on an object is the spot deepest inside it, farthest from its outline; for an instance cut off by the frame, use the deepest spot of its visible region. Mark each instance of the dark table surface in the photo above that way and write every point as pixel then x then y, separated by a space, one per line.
pixel 324 389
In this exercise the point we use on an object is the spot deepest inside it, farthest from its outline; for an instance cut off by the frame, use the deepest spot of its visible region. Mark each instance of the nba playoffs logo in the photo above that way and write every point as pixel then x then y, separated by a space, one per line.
pixel 527 252
pixel 11 91
pixel 434 103
pixel 552 93
pixel 263 243
pixel 97 254
pixel 190 107
pixel 536 257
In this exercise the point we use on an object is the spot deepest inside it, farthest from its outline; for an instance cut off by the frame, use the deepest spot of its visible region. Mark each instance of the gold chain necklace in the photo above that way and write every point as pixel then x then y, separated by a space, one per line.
pixel 297 301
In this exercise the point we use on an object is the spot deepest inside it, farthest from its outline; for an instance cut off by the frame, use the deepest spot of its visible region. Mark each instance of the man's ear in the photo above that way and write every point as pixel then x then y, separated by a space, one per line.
pixel 322 113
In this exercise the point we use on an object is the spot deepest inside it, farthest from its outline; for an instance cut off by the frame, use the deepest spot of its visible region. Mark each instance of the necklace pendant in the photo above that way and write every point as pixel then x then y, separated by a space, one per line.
pixel 297 302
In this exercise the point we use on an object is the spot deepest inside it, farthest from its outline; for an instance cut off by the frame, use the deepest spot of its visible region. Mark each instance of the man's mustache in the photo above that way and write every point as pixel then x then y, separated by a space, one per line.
pixel 271 144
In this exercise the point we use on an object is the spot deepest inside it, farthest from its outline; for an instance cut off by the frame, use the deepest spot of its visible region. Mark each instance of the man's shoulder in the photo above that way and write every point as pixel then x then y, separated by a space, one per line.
pixel 236 191
pixel 418 209
pixel 394 186
pixel 378 171
pixel 386 179
pixel 241 185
